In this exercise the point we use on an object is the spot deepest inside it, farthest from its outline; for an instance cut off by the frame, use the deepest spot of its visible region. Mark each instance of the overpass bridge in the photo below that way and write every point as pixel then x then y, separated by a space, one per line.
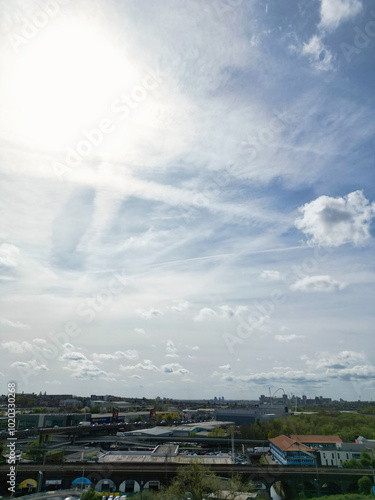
pixel 294 479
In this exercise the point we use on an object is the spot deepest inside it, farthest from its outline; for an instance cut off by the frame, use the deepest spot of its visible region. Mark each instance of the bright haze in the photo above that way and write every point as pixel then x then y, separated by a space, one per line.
pixel 187 194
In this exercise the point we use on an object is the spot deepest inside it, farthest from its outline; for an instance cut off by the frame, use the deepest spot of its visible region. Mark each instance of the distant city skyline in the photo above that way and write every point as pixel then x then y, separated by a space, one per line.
pixel 188 197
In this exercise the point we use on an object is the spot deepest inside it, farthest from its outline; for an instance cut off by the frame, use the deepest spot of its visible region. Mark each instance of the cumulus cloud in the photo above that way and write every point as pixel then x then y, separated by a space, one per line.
pixel 229 312
pixel 17 347
pixel 181 306
pixel 271 275
pixel 129 354
pixel 226 311
pixel 171 350
pixel 319 56
pixel 317 284
pixel 174 368
pixel 146 365
pixel 225 367
pixel 91 372
pixel 40 341
pixel 31 366
pixel 8 255
pixel 360 372
pixel 14 324
pixel 280 375
pixel 334 12
pixel 140 331
pixel 20 347
pixel 335 221
pixel 73 356
pixel 151 313
pixel 287 338
pixel 83 368
pixel 205 313
pixel 336 361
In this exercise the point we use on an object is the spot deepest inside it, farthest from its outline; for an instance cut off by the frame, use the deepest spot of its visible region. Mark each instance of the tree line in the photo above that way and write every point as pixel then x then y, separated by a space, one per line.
pixel 346 425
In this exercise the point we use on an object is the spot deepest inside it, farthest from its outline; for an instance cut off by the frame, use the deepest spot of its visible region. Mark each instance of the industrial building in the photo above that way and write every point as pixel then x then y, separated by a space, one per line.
pixel 251 415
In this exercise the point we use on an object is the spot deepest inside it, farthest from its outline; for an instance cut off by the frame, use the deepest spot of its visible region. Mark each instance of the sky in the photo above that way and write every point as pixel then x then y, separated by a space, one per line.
pixel 187 195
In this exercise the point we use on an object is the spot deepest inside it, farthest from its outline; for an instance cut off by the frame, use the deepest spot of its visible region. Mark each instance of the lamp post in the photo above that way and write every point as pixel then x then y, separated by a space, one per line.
pixel 83 477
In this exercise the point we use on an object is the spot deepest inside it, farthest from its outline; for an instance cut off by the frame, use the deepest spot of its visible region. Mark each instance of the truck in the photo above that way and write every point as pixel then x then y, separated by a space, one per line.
pixel 84 424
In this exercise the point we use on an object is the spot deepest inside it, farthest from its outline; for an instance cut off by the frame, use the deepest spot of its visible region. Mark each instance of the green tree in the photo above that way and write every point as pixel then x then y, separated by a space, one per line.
pixel 90 494
pixel 195 480
pixel 365 460
pixel 364 485
pixel 95 408
pixel 352 464
pixel 217 433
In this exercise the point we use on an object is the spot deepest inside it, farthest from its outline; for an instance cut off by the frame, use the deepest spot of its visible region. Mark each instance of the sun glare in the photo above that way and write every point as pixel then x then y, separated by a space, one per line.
pixel 62 83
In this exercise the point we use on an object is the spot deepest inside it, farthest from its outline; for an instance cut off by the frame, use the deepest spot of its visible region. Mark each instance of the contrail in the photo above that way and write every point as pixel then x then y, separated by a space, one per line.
pixel 206 257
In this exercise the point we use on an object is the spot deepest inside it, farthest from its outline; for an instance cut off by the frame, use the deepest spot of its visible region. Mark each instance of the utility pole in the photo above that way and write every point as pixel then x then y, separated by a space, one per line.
pixel 233 444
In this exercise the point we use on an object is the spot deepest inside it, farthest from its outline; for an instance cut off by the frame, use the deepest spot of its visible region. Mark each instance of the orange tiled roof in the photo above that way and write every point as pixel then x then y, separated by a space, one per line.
pixel 315 439
pixel 285 443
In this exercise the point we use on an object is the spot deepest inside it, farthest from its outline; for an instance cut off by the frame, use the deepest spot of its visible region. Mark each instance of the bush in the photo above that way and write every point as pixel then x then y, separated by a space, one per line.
pixel 91 495
pixel 364 485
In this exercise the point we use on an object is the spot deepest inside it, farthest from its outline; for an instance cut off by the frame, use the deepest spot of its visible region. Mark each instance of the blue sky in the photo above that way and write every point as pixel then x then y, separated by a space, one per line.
pixel 187 195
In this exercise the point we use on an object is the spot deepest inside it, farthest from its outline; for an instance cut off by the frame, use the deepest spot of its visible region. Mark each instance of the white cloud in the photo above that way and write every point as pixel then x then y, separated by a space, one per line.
pixel 130 354
pixel 14 324
pixel 334 12
pixel 83 368
pixel 140 331
pixel 317 284
pixel 181 306
pixel 359 372
pixel 147 365
pixel 336 361
pixel 230 312
pixel 73 356
pixel 151 313
pixel 225 368
pixel 171 350
pixel 281 375
pixel 174 368
pixel 226 311
pixel 31 366
pixel 269 274
pixel 92 372
pixel 205 313
pixel 41 342
pixel 24 346
pixel 318 54
pixel 335 221
pixel 8 255
pixel 17 347
pixel 287 338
